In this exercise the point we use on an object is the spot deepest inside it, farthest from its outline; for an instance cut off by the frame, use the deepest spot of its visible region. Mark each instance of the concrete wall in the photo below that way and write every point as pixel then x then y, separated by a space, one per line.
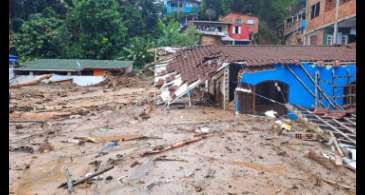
pixel 298 95
pixel 319 34
pixel 294 39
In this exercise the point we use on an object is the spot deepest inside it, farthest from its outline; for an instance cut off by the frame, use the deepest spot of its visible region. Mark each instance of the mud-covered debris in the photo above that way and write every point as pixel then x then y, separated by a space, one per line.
pixel 27 149
pixel 320 159
pixel 282 153
pixel 228 149
pixel 198 188
pixel 173 146
pixel 45 147
pixel 109 178
pixel 96 164
pixel 165 158
pixel 86 139
pixel 210 173
pixel 88 177
pixel 134 163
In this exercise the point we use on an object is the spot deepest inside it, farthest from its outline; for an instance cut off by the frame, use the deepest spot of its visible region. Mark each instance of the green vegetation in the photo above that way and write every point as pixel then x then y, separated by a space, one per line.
pixel 123 29
pixel 270 12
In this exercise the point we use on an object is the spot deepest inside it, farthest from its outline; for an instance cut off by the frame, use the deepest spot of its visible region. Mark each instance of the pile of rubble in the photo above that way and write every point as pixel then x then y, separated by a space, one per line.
pixel 70 139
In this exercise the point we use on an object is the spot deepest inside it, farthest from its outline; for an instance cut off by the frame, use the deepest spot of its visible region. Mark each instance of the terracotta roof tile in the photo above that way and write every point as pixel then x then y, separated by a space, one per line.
pixel 202 62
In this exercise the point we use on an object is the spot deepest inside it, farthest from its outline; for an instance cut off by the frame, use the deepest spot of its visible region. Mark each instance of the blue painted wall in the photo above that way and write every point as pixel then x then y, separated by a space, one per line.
pixel 298 95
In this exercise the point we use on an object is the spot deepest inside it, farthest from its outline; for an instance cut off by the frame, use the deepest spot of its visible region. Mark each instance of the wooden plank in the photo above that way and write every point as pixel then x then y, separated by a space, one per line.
pixel 336 129
pixel 344 126
pixel 350 121
pixel 254 99
pixel 329 125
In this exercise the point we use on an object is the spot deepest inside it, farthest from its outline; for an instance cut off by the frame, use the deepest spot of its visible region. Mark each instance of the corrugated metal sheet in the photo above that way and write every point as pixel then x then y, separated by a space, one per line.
pixel 72 64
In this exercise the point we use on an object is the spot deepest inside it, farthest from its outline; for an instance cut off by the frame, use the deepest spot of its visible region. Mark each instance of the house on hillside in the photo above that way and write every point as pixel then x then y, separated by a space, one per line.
pixel 241 28
pixel 182 6
pixel 321 17
pixel 291 31
pixel 255 79
pixel 232 29
pixel 74 67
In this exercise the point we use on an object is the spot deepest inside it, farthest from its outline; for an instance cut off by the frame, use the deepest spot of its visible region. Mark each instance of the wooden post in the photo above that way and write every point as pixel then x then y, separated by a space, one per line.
pixel 254 99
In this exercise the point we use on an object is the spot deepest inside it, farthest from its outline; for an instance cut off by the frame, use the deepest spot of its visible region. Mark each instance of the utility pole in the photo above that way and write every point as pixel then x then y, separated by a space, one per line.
pixel 335 27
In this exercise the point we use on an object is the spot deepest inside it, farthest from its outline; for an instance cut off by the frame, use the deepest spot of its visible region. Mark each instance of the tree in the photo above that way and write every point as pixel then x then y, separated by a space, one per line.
pixel 170 35
pixel 96 29
pixel 37 37
pixel 138 51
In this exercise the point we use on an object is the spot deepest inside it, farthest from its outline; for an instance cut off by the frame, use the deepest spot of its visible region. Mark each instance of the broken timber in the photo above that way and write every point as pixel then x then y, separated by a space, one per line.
pixel 33 82
pixel 330 126
pixel 173 146
pixel 74 183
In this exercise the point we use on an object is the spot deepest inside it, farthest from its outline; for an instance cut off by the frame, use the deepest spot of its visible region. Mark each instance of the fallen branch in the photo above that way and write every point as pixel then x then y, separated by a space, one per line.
pixel 320 160
pixel 164 158
pixel 74 183
pixel 139 137
pixel 174 146
pixel 86 139
pixel 33 82
pixel 336 184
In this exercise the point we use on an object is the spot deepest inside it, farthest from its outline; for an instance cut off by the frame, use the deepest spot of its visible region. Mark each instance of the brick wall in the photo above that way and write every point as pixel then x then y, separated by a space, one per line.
pixel 327 15
pixel 318 40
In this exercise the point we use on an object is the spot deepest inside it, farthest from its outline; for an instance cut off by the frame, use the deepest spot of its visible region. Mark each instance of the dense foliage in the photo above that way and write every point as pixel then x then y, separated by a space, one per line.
pixel 123 29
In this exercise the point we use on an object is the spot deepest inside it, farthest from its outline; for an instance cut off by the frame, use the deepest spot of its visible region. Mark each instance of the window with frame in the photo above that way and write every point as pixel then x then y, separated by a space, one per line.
pixel 315 10
pixel 329 40
pixel 237 30
pixel 345 39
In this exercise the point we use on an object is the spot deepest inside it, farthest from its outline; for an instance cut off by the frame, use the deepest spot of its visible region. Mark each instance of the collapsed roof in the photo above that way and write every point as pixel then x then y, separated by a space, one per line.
pixel 200 63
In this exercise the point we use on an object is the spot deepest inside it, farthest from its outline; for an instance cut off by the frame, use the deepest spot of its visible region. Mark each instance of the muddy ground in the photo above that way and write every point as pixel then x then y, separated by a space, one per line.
pixel 57 126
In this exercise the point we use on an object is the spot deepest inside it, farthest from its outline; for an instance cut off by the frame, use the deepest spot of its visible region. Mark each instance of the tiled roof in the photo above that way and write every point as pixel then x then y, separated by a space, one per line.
pixel 203 62
pixel 72 64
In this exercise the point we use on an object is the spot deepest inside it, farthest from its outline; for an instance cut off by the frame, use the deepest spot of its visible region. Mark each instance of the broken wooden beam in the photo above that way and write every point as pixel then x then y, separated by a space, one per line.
pixel 320 159
pixel 32 82
pixel 174 146
pixel 74 183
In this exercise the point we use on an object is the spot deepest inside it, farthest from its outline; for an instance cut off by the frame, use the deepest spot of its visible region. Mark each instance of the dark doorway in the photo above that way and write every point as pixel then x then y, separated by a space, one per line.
pixel 269 90
pixel 233 79
pixel 350 95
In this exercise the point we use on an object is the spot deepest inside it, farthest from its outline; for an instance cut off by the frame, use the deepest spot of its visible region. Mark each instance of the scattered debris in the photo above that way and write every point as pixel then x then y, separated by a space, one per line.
pixel 69 181
pixel 210 173
pixel 86 139
pixel 82 180
pixel 46 147
pixel 27 149
pixel 271 114
pixel 325 162
pixel 165 158
pixel 35 81
pixel 174 146
pixel 337 184
pixel 134 164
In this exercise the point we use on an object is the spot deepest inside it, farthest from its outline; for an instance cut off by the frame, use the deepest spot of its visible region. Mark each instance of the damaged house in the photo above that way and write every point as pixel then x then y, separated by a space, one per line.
pixel 259 78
